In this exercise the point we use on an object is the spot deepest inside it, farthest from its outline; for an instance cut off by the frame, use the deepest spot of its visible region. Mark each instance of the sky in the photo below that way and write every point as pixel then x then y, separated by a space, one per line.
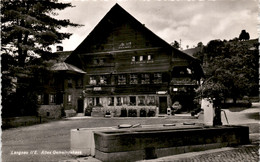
pixel 186 21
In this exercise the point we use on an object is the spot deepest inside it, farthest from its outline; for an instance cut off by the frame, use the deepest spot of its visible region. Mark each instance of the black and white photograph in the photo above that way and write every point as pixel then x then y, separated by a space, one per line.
pixel 130 80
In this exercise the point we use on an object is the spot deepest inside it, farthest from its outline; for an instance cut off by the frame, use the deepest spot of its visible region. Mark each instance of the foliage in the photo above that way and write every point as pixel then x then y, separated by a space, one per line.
pixel 18 93
pixel 175 44
pixel 231 69
pixel 244 35
pixel 28 30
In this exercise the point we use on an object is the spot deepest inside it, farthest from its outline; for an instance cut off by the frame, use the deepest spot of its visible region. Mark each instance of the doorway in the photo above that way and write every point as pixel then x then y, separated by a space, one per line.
pixel 80 106
pixel 162 105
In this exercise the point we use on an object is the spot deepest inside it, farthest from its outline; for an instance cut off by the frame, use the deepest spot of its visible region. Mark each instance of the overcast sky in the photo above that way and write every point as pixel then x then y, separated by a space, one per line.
pixel 192 21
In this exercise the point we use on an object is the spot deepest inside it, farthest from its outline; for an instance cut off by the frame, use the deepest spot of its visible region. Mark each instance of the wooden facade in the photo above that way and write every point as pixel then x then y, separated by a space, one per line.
pixel 128 67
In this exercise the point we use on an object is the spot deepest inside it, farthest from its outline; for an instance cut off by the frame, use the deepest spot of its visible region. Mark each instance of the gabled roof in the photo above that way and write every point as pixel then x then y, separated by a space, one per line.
pixel 62 66
pixel 117 13
pixel 63 55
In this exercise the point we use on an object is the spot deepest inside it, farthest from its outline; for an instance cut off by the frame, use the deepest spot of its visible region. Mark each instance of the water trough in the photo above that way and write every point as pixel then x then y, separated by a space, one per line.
pixel 134 144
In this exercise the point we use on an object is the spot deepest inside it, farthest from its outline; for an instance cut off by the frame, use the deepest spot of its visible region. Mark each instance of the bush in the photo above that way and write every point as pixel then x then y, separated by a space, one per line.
pixel 88 110
pixel 151 113
pixel 142 113
pixel 242 104
pixel 123 112
pixel 132 113
pixel 195 111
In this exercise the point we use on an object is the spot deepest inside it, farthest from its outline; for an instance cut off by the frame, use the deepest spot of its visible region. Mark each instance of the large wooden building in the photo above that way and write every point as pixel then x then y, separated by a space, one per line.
pixel 128 67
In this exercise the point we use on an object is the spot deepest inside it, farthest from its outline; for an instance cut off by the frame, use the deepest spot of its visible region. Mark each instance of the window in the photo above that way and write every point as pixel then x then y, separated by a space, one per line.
pixel 101 61
pixel 157 78
pixel 41 80
pixel 70 83
pixel 69 98
pixel 132 100
pixel 119 101
pixel 98 101
pixel 150 100
pixel 121 79
pixel 79 83
pixel 52 98
pixel 133 79
pixel 92 80
pixel 133 58
pixel 95 61
pixel 52 81
pixel 90 101
pixel 141 101
pixel 141 58
pixel 145 79
pixel 125 101
pixel 40 99
pixel 111 101
pixel 149 58
pixel 182 72
pixel 103 80
pixel 189 71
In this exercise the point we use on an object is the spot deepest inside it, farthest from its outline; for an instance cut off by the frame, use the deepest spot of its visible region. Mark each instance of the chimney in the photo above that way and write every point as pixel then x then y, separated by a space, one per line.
pixel 59 49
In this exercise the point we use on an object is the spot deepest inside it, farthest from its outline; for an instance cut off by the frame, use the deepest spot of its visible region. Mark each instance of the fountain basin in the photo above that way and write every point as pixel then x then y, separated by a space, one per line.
pixel 82 139
pixel 148 143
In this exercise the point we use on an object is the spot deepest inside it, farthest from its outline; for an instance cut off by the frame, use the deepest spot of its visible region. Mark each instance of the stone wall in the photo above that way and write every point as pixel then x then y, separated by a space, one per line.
pixel 50 111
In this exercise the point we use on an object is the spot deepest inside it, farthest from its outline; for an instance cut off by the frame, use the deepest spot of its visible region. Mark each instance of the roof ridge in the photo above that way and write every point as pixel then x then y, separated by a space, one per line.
pixel 115 8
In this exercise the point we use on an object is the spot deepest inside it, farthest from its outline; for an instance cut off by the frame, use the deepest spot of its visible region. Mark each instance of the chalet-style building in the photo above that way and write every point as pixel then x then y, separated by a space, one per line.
pixel 58 87
pixel 125 67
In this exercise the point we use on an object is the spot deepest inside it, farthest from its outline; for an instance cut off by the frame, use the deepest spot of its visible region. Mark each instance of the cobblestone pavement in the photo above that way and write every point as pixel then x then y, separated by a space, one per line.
pixel 244 153
pixel 241 154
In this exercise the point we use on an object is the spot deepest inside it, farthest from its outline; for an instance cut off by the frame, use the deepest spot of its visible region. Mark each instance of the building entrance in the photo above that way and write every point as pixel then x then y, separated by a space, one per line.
pixel 162 105
pixel 80 106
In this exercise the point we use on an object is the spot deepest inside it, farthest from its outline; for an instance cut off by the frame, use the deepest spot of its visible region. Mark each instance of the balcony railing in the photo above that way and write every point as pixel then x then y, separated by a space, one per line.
pixel 183 81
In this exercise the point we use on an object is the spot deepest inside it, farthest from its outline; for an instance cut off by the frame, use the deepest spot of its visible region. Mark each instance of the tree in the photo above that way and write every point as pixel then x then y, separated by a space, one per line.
pixel 28 27
pixel 244 35
pixel 175 44
pixel 28 30
pixel 231 69
pixel 200 44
